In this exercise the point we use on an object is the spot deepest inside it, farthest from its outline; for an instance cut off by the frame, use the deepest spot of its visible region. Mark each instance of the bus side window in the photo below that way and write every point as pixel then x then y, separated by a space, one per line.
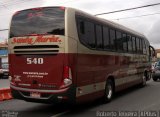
pixel 125 42
pixel 99 37
pixel 130 46
pixel 82 29
pixel 144 47
pixel 147 47
pixel 86 33
pixel 90 34
pixel 106 38
pixel 138 45
pixel 112 39
pixel 119 41
pixel 141 46
pixel 134 44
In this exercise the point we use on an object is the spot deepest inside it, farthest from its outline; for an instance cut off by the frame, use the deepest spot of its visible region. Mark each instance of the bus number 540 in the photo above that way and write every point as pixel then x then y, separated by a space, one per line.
pixel 35 61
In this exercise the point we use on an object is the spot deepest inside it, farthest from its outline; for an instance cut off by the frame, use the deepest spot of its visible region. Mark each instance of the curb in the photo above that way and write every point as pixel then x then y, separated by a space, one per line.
pixel 5 94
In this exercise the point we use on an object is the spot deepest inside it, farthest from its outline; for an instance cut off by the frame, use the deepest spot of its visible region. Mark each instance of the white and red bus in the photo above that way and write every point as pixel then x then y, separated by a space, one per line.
pixel 63 54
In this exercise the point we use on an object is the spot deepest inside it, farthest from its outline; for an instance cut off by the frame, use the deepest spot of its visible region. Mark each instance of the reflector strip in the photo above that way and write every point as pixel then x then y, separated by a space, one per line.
pixel 38 90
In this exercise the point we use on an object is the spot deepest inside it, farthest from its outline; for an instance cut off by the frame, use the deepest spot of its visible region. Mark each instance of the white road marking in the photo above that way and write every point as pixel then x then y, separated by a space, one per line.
pixel 59 114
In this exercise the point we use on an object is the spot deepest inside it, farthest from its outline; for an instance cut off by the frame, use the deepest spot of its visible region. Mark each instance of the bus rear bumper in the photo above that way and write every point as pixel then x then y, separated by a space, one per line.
pixel 67 95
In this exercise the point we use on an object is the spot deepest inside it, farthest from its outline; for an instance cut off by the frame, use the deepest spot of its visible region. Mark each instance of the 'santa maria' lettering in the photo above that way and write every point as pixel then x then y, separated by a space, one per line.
pixel 38 39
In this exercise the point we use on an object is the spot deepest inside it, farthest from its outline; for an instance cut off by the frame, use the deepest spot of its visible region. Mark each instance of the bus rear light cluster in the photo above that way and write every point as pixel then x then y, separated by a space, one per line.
pixel 66 72
pixel 67 77
pixel 67 81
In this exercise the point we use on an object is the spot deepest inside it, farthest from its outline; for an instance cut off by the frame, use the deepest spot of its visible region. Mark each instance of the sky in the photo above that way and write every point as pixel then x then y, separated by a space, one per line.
pixel 147 25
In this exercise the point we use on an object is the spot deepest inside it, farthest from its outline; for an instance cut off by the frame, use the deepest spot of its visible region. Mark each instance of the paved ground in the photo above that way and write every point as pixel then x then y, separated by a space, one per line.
pixel 144 101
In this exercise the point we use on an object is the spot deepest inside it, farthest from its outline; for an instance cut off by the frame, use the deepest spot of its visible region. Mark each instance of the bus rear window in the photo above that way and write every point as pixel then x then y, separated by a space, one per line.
pixel 47 20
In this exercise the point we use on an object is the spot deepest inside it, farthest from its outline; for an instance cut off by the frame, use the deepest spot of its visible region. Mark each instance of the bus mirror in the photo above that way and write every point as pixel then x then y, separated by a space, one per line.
pixel 152 51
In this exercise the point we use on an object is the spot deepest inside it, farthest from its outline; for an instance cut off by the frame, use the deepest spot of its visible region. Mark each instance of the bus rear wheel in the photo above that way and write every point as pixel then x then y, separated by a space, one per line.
pixel 154 79
pixel 108 95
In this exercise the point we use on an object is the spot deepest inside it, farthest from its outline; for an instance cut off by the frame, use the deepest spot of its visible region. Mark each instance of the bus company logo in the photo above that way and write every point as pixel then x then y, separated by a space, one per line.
pixel 38 39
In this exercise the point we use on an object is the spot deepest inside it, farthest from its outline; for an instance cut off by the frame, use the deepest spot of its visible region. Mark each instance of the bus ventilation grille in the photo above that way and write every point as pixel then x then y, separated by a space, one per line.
pixel 36 50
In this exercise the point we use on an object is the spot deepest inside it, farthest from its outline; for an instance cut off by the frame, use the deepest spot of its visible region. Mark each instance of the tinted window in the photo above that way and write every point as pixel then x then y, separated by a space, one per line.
pixel 130 48
pixel 134 44
pixel 137 44
pixel 106 38
pixel 90 34
pixel 125 42
pixel 81 27
pixel 119 41
pixel 82 31
pixel 141 46
pixel 99 36
pixel 112 39
pixel 86 32
pixel 144 47
pixel 38 21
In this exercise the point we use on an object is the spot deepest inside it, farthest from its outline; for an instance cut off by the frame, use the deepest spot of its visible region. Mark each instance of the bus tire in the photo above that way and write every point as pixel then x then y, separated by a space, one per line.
pixel 154 79
pixel 108 94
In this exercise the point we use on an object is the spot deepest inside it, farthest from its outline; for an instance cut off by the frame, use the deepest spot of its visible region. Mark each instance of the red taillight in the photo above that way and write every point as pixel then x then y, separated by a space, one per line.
pixel 66 72
pixel 67 77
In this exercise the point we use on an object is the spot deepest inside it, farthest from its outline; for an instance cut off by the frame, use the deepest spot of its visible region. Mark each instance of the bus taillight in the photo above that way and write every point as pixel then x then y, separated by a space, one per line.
pixel 66 72
pixel 67 77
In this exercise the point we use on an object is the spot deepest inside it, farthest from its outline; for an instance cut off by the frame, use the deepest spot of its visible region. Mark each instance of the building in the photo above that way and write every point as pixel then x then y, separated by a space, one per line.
pixel 3 53
pixel 158 54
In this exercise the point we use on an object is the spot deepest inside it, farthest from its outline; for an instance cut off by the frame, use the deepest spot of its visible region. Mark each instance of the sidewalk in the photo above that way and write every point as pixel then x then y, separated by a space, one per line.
pixel 4 83
pixel 5 92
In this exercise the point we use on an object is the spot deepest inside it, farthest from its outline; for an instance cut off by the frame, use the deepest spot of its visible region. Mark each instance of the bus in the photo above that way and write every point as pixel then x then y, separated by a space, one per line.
pixel 60 54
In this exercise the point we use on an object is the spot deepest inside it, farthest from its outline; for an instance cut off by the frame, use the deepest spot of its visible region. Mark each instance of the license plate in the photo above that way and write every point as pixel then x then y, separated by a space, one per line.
pixel 35 95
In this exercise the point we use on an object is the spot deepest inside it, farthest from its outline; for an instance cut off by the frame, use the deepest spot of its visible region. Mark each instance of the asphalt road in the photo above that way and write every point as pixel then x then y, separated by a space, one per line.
pixel 144 101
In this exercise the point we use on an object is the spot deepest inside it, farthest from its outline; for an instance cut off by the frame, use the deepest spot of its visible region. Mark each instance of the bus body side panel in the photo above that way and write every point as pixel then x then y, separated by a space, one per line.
pixel 93 70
